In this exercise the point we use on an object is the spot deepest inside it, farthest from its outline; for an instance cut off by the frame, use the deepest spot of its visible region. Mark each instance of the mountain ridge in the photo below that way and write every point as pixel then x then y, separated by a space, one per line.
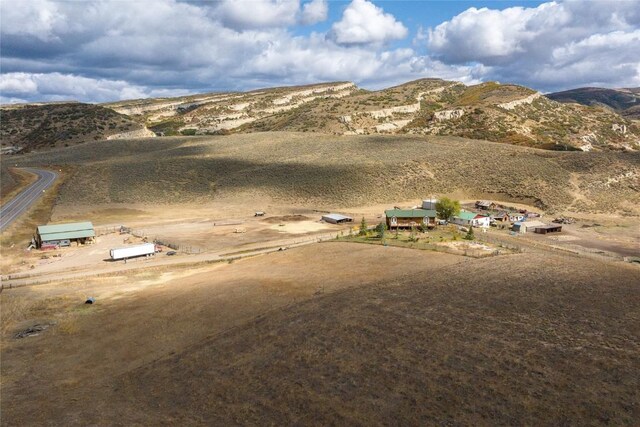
pixel 492 111
pixel 625 101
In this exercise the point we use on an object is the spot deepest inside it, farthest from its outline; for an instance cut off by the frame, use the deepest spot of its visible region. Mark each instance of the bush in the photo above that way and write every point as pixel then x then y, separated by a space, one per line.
pixel 469 235
pixel 381 228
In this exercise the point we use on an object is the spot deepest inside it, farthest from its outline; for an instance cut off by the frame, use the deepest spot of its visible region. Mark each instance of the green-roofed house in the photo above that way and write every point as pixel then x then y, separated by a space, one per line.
pixel 471 218
pixel 407 218
pixel 56 235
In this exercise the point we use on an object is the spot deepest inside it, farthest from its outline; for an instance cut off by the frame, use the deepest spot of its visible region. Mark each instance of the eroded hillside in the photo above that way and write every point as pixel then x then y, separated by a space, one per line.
pixel 218 113
pixel 491 111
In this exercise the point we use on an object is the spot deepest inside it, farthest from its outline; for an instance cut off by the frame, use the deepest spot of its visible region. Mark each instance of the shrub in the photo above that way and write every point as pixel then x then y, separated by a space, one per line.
pixel 469 235
pixel 381 228
pixel 363 227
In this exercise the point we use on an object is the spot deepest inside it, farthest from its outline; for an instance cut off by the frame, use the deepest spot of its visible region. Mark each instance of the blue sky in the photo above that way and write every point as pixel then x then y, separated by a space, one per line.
pixel 106 50
pixel 417 13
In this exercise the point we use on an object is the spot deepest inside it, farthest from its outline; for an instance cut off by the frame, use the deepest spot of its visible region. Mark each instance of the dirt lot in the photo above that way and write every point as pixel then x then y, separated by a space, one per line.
pixel 196 239
pixel 383 335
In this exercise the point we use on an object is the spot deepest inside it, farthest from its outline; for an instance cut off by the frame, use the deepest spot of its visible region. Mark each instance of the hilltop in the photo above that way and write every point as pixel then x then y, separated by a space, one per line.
pixel 625 101
pixel 27 127
pixel 491 111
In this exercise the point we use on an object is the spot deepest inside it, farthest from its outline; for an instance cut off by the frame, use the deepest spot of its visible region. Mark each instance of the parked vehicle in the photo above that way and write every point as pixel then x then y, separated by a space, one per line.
pixel 145 249
pixel 171 253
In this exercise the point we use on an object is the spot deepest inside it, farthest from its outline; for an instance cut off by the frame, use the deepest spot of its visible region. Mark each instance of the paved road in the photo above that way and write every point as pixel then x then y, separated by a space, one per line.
pixel 19 204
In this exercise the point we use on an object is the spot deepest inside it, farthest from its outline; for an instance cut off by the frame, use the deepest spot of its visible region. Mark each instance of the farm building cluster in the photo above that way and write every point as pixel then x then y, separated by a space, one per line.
pixel 484 214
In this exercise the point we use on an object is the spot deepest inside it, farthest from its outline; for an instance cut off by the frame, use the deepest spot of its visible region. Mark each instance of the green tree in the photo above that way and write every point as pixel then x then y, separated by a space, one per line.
pixel 381 228
pixel 469 235
pixel 447 208
pixel 363 227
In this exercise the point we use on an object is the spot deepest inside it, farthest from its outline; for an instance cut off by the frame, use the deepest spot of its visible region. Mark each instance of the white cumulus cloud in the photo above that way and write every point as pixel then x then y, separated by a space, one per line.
pixel 315 11
pixel 552 46
pixel 365 23
pixel 257 13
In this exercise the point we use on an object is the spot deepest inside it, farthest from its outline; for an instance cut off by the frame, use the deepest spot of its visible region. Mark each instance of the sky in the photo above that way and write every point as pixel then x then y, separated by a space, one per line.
pixel 108 50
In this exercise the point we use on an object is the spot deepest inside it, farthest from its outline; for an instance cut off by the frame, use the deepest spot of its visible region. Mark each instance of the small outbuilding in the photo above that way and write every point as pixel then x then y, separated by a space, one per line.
pixel 485 205
pixel 335 218
pixel 57 235
pixel 501 217
pixel 527 226
pixel 549 228
pixel 407 218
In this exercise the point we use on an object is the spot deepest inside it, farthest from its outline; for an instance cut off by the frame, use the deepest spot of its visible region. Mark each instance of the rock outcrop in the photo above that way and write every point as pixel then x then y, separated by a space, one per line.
pixel 441 116
pixel 513 104
pixel 138 133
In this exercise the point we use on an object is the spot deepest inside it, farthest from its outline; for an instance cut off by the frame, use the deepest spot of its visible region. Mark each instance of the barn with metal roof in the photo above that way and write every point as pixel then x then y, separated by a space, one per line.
pixel 335 218
pixel 56 235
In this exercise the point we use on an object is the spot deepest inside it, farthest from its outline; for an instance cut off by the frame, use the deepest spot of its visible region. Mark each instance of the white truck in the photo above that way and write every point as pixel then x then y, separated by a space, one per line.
pixel 146 249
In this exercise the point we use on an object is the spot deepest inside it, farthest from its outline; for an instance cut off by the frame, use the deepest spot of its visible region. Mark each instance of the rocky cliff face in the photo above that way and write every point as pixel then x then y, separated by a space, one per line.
pixel 213 113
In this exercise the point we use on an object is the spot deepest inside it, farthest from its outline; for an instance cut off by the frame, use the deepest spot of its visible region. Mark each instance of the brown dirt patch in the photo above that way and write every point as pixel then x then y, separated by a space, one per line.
pixel 286 218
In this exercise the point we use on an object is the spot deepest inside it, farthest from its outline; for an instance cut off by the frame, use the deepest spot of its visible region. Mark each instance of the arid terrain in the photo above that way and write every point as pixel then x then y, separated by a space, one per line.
pixel 362 334
pixel 29 127
pixel 266 170
pixel 283 318
pixel 491 111
pixel 625 101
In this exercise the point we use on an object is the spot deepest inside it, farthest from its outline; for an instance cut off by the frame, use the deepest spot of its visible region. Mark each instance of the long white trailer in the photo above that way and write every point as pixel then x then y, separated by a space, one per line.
pixel 133 251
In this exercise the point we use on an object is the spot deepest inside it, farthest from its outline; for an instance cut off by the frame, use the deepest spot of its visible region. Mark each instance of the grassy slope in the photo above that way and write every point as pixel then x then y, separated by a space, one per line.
pixel 619 100
pixel 329 171
pixel 554 344
pixel 547 347
pixel 46 126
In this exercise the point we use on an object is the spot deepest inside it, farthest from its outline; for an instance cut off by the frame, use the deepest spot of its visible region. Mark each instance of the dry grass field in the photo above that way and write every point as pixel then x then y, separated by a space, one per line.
pixel 385 335
pixel 330 172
